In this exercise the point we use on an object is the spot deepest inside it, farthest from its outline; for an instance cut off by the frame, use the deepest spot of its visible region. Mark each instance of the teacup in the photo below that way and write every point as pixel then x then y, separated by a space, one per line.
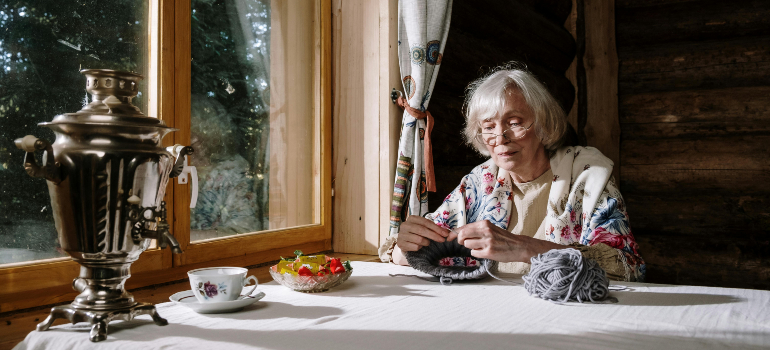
pixel 215 284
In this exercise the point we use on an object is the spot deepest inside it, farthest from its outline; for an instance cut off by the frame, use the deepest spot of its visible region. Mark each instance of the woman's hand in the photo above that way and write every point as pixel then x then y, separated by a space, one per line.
pixel 416 232
pixel 488 241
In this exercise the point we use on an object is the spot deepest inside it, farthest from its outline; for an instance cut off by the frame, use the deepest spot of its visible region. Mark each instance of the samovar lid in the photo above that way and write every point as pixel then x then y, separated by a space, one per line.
pixel 111 92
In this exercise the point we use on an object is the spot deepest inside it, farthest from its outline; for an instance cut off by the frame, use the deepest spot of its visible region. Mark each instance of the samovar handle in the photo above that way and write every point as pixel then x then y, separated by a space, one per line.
pixel 50 169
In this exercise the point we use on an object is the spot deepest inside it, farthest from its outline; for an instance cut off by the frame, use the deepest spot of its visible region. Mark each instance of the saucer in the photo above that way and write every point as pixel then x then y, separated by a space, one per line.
pixel 187 298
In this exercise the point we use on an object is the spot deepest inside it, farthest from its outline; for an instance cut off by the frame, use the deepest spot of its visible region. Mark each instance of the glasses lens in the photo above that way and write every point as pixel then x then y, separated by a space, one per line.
pixel 515 132
pixel 489 139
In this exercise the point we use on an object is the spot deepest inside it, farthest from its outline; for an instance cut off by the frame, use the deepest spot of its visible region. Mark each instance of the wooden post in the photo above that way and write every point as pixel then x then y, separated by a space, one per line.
pixel 571 74
pixel 365 123
pixel 600 66
pixel 390 114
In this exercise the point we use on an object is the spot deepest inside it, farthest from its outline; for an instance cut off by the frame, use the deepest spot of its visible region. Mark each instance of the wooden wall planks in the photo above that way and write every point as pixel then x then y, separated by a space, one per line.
pixel 695 118
pixel 707 215
pixel 390 113
pixel 726 262
pixel 749 104
pixel 366 123
pixel 660 179
pixel 570 23
pixel 349 127
pixel 737 62
pixel 727 152
pixel 600 62
pixel 675 21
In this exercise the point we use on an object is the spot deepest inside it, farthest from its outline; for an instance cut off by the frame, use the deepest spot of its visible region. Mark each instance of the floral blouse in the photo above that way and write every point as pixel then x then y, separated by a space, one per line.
pixel 585 208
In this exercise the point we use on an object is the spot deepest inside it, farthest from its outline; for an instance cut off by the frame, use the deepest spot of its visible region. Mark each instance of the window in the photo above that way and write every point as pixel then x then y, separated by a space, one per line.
pixel 44 46
pixel 245 82
pixel 252 115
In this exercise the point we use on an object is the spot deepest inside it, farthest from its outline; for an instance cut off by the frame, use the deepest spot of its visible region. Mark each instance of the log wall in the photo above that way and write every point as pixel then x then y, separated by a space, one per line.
pixel 694 107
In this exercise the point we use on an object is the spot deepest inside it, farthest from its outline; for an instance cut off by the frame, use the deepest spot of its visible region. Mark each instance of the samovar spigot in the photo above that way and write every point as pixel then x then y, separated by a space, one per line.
pixel 141 216
pixel 50 169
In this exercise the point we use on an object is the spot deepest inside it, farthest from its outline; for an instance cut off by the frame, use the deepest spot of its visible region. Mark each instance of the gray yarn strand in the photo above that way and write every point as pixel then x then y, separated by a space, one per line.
pixel 491 274
pixel 443 280
pixel 564 275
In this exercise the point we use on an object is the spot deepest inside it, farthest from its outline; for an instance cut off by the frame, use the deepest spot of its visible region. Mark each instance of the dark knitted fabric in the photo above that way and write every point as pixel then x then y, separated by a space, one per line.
pixel 427 260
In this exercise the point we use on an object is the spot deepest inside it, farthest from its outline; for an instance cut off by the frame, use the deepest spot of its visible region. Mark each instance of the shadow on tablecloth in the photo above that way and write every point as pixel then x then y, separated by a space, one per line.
pixel 672 299
pixel 374 339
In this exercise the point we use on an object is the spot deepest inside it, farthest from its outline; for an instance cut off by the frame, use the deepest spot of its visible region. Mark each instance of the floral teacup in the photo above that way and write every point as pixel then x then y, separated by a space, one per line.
pixel 214 284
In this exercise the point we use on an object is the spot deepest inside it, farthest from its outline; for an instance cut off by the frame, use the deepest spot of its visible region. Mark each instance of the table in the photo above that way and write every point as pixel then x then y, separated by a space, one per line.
pixel 374 310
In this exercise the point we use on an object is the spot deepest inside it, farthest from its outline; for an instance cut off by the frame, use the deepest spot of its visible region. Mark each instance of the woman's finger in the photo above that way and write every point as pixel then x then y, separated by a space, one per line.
pixel 422 231
pixel 428 224
pixel 480 253
pixel 416 239
pixel 408 246
pixel 452 235
pixel 474 244
pixel 467 232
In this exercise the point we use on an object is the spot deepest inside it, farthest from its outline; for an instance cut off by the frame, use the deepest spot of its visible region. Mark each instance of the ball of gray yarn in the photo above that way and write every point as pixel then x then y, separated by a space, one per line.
pixel 426 259
pixel 564 275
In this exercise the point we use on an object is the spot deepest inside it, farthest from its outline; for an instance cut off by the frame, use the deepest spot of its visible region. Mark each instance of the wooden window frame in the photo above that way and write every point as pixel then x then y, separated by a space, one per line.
pixel 45 282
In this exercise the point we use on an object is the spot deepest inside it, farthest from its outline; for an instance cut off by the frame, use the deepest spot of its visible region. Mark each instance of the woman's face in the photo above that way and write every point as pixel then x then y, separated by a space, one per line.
pixel 516 156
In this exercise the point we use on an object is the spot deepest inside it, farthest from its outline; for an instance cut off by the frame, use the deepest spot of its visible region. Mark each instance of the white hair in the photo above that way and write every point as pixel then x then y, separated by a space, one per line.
pixel 487 96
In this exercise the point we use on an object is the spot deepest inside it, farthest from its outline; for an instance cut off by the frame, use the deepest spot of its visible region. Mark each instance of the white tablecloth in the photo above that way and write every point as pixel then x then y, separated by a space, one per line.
pixel 373 310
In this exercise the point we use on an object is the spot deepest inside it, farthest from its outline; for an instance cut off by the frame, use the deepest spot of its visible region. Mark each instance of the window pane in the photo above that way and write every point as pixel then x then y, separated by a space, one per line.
pixel 254 115
pixel 43 46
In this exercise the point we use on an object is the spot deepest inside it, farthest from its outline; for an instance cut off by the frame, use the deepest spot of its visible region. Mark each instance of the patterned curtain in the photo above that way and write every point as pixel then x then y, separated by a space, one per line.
pixel 422 31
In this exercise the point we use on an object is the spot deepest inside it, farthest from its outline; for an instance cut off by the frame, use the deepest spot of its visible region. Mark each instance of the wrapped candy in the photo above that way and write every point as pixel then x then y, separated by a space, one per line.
pixel 312 259
pixel 286 266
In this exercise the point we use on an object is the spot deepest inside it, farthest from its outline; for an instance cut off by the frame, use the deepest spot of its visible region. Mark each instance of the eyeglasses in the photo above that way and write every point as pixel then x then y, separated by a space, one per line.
pixel 513 133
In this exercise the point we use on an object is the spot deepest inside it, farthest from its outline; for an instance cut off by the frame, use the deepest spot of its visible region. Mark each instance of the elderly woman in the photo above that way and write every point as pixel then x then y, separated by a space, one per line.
pixel 532 195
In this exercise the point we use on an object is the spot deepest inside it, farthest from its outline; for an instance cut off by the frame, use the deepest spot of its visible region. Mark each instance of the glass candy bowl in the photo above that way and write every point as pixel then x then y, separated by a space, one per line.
pixel 309 284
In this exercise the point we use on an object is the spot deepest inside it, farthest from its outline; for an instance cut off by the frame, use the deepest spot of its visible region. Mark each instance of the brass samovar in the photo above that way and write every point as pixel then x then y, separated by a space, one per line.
pixel 107 173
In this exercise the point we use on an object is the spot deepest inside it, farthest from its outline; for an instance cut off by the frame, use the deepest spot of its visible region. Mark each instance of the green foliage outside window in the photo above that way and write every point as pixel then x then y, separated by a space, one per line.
pixel 43 46
pixel 45 43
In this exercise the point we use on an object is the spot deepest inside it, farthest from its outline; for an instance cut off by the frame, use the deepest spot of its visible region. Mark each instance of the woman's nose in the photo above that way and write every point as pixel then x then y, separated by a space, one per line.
pixel 502 139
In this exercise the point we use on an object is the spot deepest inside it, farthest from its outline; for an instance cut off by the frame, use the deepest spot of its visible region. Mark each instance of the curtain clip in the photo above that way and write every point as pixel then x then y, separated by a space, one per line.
pixel 394 95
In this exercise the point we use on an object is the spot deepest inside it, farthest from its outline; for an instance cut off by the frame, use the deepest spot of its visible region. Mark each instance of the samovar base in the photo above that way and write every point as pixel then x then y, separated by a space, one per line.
pixel 100 319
